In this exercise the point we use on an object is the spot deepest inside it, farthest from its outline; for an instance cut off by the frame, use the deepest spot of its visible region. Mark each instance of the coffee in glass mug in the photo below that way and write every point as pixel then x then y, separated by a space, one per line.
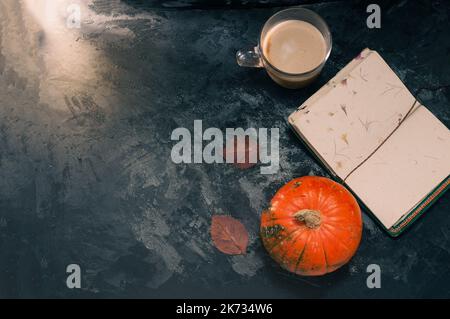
pixel 293 47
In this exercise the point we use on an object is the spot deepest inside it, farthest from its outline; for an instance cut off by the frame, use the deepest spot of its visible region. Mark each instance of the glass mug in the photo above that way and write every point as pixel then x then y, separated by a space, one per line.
pixel 256 58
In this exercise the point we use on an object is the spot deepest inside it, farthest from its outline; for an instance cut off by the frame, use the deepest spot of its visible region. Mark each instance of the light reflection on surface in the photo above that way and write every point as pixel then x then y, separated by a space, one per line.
pixel 70 64
pixel 57 61
pixel 46 12
pixel 60 63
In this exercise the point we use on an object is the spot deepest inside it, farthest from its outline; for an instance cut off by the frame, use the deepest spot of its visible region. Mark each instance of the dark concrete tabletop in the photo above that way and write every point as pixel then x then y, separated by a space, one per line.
pixel 85 172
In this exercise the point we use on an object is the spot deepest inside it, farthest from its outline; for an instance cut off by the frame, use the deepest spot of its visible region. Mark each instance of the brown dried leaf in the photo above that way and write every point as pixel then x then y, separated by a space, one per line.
pixel 229 235
pixel 247 149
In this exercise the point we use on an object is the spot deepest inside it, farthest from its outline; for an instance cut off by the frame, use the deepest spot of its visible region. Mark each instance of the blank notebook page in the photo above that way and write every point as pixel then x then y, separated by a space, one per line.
pixel 346 120
pixel 412 162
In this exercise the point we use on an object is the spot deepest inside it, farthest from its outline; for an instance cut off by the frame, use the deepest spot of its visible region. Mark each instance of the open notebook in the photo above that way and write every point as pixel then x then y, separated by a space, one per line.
pixel 373 135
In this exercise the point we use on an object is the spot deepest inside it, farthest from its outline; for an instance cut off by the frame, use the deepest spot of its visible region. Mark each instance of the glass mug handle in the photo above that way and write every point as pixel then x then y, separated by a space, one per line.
pixel 250 58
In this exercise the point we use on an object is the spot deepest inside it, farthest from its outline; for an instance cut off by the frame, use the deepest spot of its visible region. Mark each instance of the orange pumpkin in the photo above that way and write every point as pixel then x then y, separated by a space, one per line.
pixel 313 226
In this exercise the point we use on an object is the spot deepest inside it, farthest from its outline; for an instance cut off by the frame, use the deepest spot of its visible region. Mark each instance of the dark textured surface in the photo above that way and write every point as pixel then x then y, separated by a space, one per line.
pixel 85 169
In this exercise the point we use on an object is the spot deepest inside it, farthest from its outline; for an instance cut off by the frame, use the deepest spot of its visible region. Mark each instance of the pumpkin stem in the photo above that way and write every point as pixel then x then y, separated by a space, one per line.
pixel 310 217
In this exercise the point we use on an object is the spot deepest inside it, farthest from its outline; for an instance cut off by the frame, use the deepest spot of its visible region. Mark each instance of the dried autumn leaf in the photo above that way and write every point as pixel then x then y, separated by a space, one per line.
pixel 229 235
pixel 244 152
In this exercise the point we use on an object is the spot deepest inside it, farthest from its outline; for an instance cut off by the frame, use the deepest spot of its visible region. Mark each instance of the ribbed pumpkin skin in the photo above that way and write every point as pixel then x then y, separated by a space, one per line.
pixel 312 250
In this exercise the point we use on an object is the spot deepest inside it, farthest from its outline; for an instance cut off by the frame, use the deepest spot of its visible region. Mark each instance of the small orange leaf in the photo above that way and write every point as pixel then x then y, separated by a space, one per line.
pixel 229 235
